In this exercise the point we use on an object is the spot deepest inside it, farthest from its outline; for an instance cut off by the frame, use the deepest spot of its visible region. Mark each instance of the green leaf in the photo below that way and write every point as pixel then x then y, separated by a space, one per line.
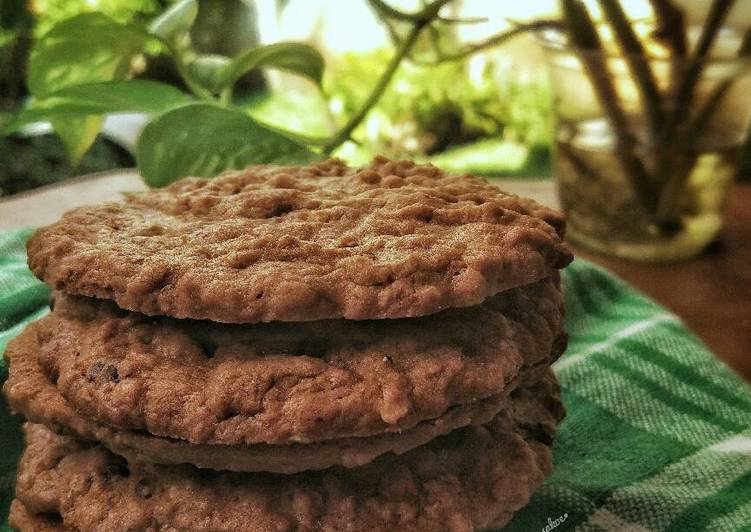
pixel 78 134
pixel 134 95
pixel 177 20
pixel 298 58
pixel 86 48
pixel 203 140
pixel 208 70
pixel 83 49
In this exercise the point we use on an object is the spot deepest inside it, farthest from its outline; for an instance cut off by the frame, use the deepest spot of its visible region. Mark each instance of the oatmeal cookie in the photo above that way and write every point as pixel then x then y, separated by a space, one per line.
pixel 283 383
pixel 299 243
pixel 470 479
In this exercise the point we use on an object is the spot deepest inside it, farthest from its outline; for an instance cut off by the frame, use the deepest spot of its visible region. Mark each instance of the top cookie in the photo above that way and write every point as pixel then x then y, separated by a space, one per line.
pixel 272 243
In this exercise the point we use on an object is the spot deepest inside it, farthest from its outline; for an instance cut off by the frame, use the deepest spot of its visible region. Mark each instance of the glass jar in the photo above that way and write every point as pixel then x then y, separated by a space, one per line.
pixel 638 184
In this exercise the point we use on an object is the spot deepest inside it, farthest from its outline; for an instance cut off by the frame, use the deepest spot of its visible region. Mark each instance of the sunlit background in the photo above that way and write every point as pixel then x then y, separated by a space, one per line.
pixel 488 113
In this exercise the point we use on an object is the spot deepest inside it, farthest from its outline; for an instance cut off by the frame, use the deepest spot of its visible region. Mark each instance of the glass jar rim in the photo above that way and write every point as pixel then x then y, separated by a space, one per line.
pixel 545 38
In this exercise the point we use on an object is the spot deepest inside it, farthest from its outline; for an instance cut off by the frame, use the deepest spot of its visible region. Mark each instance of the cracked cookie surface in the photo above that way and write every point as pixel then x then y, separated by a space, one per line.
pixel 283 383
pixel 269 243
pixel 473 478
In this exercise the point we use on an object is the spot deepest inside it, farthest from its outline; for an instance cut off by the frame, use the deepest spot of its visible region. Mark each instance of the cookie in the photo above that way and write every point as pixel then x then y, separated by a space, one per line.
pixel 469 479
pixel 21 519
pixel 282 383
pixel 347 452
pixel 302 243
pixel 32 394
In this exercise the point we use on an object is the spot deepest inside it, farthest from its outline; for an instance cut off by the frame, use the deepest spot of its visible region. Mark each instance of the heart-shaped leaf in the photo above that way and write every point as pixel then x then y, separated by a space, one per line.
pixel 177 20
pixel 208 70
pixel 203 140
pixel 86 48
pixel 298 58
pixel 135 95
pixel 78 133
pixel 83 49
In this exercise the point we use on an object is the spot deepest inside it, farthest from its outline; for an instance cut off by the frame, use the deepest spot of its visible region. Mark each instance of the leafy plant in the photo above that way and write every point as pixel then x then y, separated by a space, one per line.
pixel 78 71
pixel 429 110
pixel 82 69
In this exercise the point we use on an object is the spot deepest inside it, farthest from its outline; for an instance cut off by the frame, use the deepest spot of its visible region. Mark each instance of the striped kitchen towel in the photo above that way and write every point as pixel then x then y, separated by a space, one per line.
pixel 658 431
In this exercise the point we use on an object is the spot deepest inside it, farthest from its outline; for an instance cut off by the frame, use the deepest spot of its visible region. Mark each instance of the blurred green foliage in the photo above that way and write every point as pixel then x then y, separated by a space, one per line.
pixel 475 114
pixel 50 12
pixel 482 114
pixel 35 161
pixel 427 110
pixel 81 67
pixel 480 117
pixel 22 20
pixel 27 163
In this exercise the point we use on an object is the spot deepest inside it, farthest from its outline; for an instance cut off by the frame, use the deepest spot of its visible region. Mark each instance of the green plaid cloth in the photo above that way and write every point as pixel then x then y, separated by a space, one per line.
pixel 658 432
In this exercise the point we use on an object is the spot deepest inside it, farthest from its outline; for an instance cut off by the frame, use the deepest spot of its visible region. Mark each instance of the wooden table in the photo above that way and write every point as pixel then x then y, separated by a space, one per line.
pixel 712 293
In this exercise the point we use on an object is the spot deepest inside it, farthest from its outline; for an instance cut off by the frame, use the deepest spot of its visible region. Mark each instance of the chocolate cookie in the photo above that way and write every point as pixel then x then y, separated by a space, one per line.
pixel 282 383
pixel 469 479
pixel 304 243
pixel 34 395
pixel 21 519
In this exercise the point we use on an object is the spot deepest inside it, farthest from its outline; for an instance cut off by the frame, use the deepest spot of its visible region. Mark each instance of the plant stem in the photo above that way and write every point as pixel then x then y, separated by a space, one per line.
pixel 671 30
pixel 343 134
pixel 669 196
pixel 744 159
pixel 582 168
pixel 586 42
pixel 681 107
pixel 463 20
pixel 633 52
pixel 718 94
pixel 673 188
pixel 386 11
pixel 419 21
pixel 670 26
pixel 225 95
pixel 494 40
pixel 182 70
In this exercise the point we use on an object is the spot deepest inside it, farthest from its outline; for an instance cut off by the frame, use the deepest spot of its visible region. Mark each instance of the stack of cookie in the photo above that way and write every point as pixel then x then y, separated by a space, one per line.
pixel 292 348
